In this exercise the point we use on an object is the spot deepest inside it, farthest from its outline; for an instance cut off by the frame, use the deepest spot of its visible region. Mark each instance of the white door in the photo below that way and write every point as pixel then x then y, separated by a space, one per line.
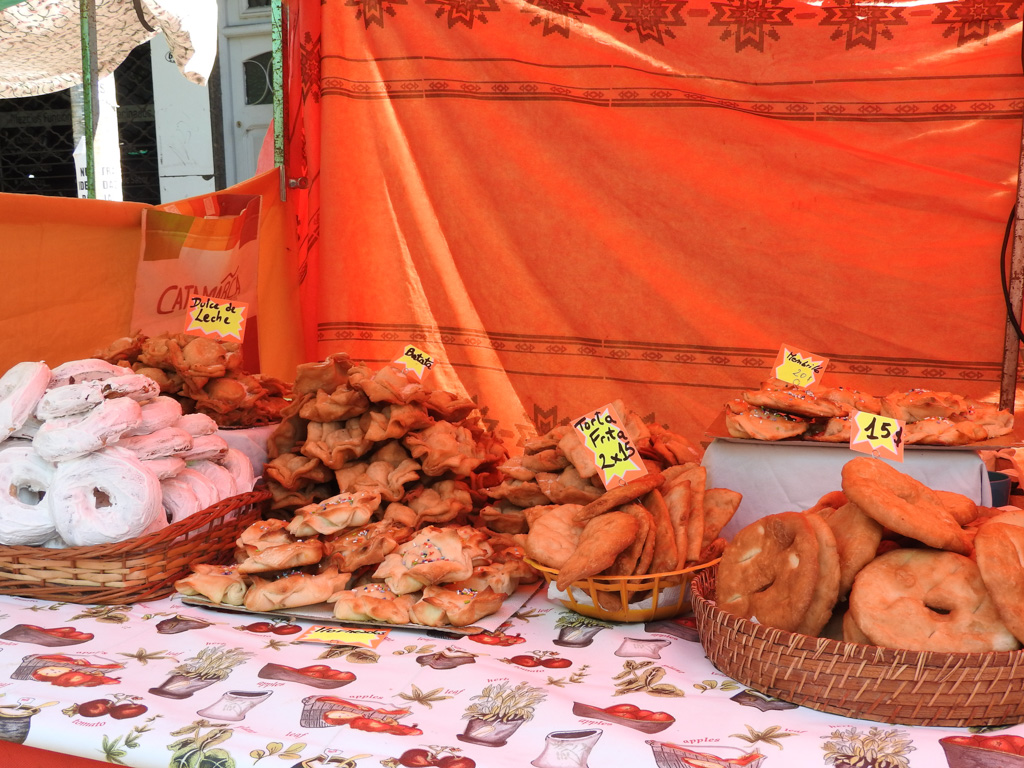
pixel 247 83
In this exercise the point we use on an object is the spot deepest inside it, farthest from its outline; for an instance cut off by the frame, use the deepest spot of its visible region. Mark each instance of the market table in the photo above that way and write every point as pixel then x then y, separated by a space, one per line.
pixel 417 691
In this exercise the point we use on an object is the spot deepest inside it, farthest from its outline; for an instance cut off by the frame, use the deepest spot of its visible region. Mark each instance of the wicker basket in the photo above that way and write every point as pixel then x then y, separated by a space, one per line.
pixel 143 568
pixel 861 681
pixel 667 594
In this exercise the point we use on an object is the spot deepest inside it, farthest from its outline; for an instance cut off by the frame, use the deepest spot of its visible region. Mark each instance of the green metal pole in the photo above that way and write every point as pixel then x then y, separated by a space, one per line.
pixel 90 89
pixel 277 35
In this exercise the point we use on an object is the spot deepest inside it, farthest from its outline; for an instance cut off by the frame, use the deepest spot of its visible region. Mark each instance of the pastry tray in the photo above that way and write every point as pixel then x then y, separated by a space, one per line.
pixel 324 613
pixel 718 431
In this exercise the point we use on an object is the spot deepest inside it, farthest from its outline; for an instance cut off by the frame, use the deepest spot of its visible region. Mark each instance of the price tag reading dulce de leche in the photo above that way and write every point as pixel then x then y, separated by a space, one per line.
pixel 880 436
pixel 614 454
pixel 415 360
pixel 364 638
pixel 795 366
pixel 215 318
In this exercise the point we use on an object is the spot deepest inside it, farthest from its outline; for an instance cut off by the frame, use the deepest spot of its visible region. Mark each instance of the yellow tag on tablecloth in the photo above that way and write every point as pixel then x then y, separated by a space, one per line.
pixel 614 454
pixel 415 360
pixel 880 436
pixel 795 366
pixel 364 638
pixel 215 318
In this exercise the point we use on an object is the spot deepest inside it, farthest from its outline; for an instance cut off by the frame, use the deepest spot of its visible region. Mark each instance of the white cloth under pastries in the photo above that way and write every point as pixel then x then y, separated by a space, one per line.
pixel 20 389
pixel 73 436
pixel 25 517
pixel 103 497
pixel 791 478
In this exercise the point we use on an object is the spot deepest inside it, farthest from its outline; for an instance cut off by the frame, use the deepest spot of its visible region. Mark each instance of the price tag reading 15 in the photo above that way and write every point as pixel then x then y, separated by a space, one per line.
pixel 880 436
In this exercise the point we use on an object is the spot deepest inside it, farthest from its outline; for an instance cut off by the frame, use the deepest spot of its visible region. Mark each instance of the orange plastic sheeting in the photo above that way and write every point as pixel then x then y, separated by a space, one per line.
pixel 69 277
pixel 585 201
pixel 20 756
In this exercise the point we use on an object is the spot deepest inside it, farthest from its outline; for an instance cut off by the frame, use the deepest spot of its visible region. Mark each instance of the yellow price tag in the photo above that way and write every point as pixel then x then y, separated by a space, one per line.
pixel 880 436
pixel 614 454
pixel 415 360
pixel 364 638
pixel 795 366
pixel 215 318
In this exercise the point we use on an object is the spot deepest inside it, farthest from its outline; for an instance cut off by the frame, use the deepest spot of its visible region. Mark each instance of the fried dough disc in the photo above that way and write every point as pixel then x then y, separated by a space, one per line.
pixel 601 541
pixel 857 539
pixel 831 500
pixel 853 633
pixel 902 504
pixel 750 422
pixel 769 571
pixel 792 399
pixel 826 590
pixel 619 495
pixel 999 550
pixel 959 506
pixel 927 600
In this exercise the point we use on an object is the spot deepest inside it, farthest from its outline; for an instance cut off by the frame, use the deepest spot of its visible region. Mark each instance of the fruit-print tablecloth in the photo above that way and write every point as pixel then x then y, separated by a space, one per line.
pixel 164 684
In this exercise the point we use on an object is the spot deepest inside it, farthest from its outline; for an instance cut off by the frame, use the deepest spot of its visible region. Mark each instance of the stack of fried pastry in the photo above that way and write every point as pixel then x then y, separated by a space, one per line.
pixel 204 375
pixel 778 411
pixel 352 429
pixel 372 568
pixel 665 521
pixel 886 561
pixel 556 469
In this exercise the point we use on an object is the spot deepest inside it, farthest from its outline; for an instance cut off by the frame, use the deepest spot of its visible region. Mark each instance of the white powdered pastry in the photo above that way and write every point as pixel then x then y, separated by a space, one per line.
pixel 158 413
pixel 180 489
pixel 90 369
pixel 58 402
pixel 20 390
pixel 134 385
pixel 197 424
pixel 104 497
pixel 240 467
pixel 212 447
pixel 73 436
pixel 218 475
pixel 168 441
pixel 165 466
pixel 27 430
pixel 25 517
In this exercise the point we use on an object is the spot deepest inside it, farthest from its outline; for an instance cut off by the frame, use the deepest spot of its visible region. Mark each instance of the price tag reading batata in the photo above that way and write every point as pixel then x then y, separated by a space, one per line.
pixel 614 454
pixel 415 360
pixel 794 366
pixel 215 318
pixel 364 638
pixel 880 436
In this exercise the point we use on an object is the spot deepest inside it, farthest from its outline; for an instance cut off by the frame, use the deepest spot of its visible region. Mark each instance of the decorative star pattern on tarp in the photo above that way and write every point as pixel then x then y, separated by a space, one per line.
pixel 374 11
pixel 555 16
pixel 861 23
pixel 464 11
pixel 750 22
pixel 971 20
pixel 650 19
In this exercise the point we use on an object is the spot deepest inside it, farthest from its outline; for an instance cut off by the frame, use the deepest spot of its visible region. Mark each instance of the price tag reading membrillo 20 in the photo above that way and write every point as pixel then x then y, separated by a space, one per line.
pixel 614 454
pixel 215 318
pixel 415 360
pixel 880 436
pixel 364 638
pixel 794 366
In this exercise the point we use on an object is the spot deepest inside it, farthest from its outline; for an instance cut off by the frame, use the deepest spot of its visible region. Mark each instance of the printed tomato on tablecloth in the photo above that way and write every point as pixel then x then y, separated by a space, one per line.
pixel 50 637
pixel 67 671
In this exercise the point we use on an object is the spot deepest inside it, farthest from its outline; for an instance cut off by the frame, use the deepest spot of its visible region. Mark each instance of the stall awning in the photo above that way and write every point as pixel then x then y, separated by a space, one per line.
pixel 40 42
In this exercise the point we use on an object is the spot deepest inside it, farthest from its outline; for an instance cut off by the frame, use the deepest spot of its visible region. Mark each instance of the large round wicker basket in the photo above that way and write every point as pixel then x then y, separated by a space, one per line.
pixel 143 568
pixel 861 681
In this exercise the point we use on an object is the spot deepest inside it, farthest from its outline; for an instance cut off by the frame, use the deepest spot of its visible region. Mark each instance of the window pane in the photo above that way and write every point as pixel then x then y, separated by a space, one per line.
pixel 257 70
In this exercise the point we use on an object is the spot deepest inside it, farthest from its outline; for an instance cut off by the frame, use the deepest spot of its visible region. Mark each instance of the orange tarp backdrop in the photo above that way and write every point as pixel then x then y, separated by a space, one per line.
pixel 69 271
pixel 579 201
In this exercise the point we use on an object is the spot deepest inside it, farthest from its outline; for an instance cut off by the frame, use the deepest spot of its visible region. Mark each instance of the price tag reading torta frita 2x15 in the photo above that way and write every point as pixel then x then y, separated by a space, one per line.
pixel 795 366
pixel 614 454
pixel 880 436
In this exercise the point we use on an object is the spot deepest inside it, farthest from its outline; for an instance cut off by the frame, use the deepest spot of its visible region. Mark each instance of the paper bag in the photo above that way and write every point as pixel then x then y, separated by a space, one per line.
pixel 207 245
